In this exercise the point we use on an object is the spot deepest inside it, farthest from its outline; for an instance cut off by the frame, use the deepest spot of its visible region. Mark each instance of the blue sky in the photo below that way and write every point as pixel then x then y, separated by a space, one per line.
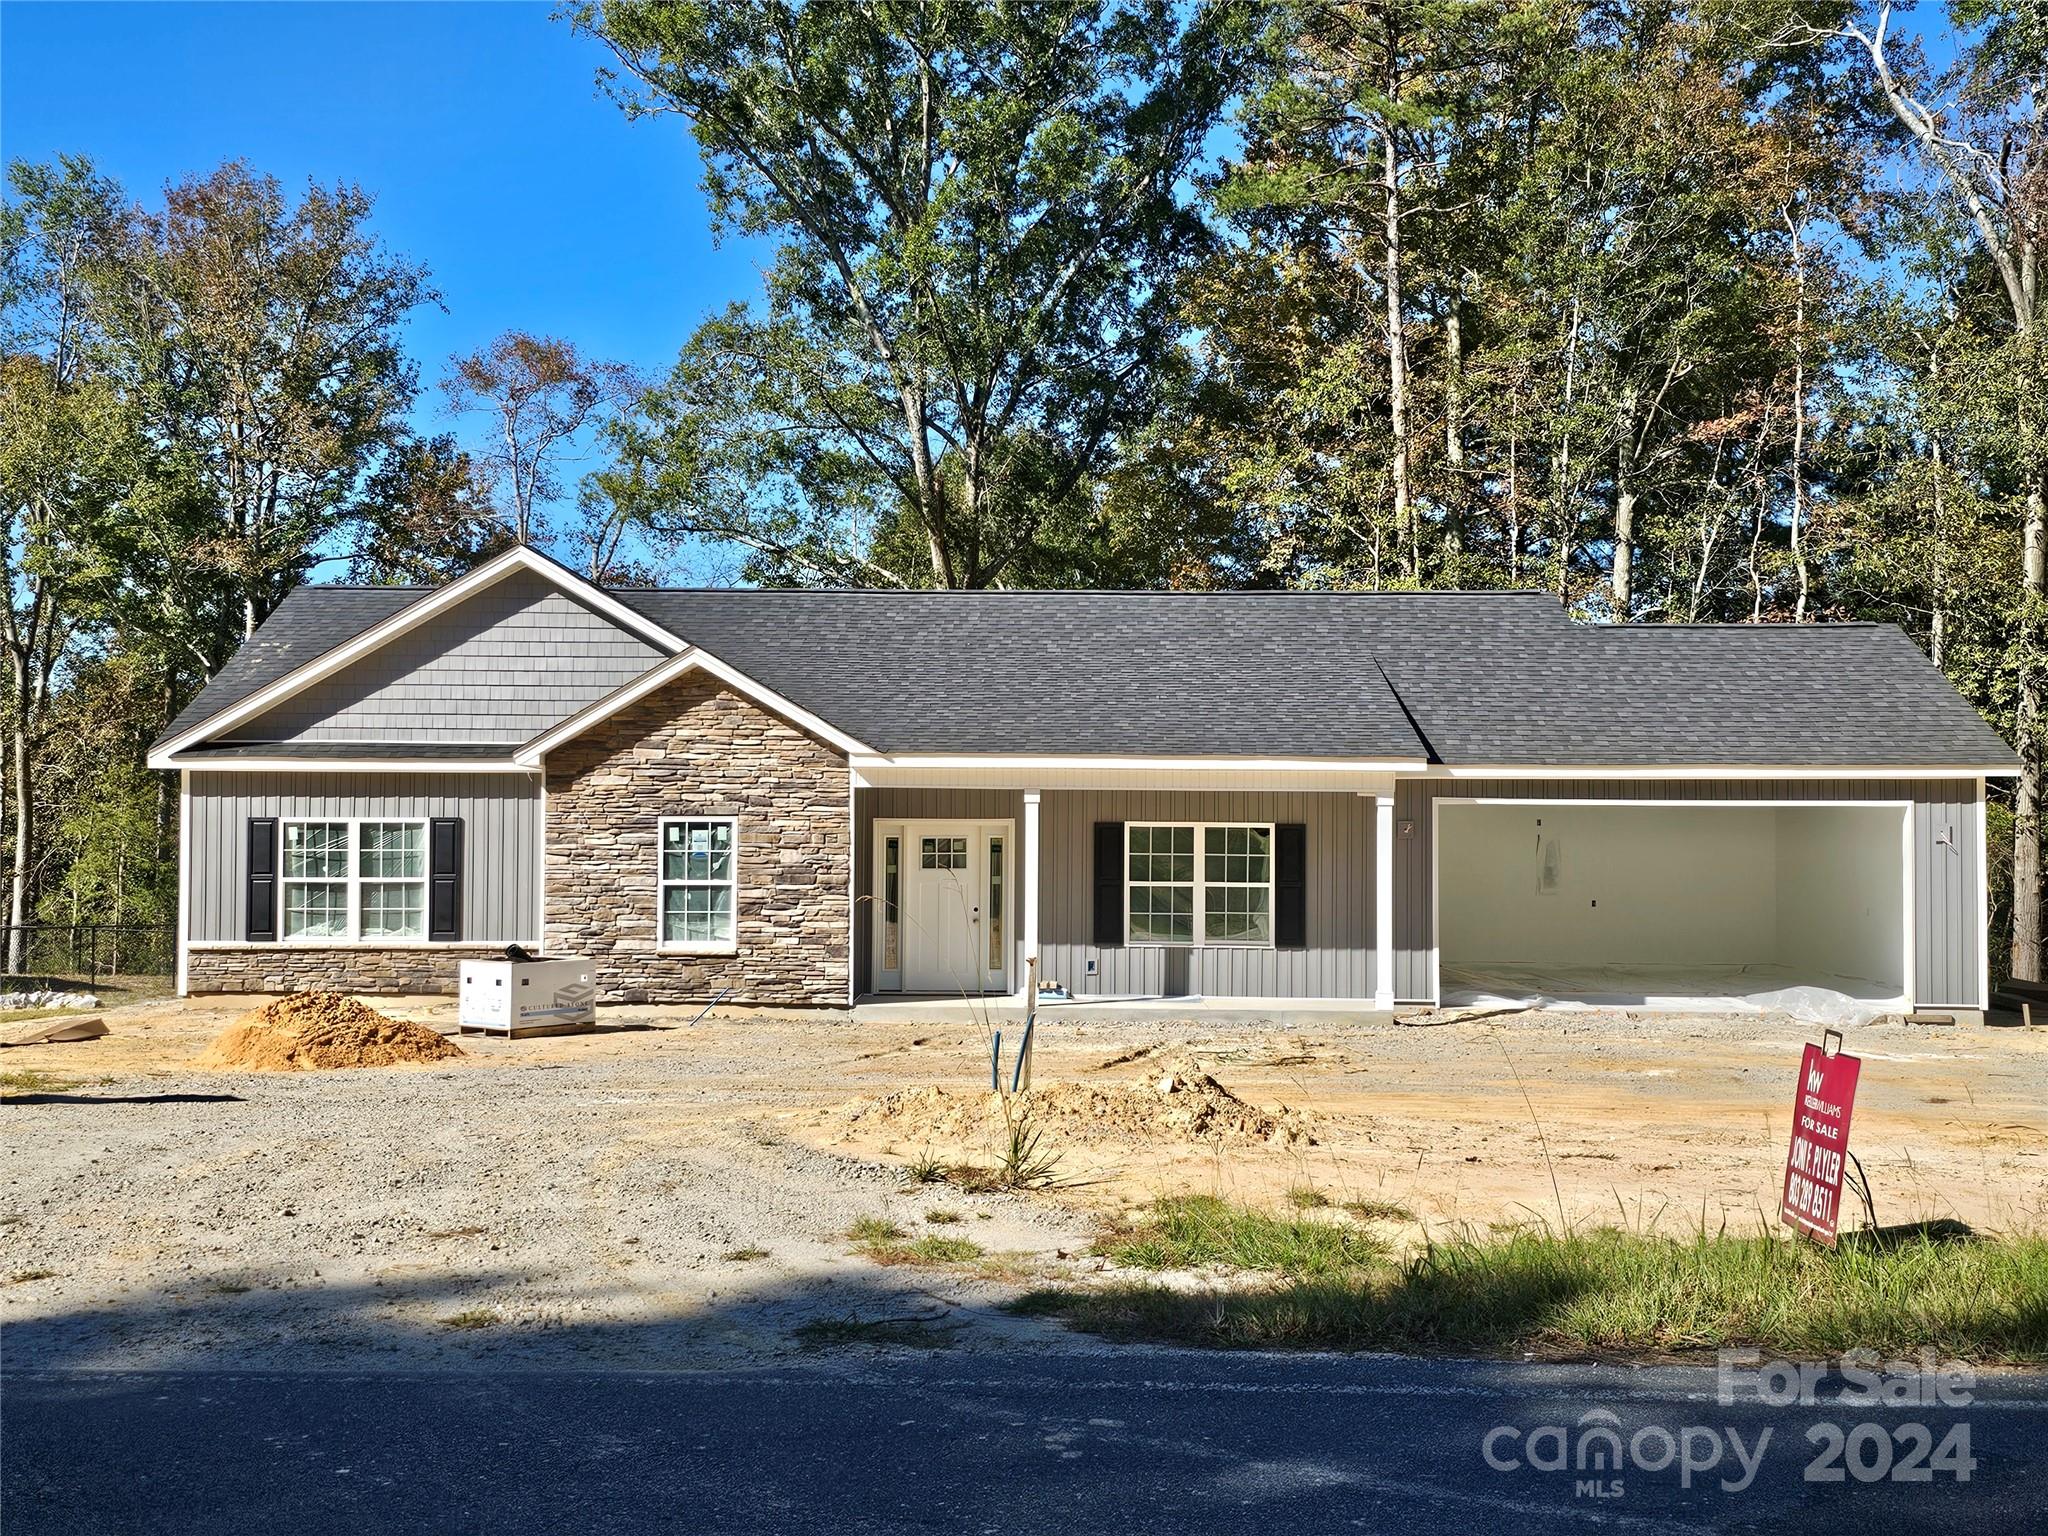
pixel 478 126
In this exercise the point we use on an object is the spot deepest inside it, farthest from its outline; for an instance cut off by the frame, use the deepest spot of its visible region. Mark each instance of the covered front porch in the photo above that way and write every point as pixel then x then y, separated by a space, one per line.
pixel 1253 888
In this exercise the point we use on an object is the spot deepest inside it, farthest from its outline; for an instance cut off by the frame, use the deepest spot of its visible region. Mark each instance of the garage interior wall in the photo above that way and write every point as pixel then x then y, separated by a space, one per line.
pixel 1818 890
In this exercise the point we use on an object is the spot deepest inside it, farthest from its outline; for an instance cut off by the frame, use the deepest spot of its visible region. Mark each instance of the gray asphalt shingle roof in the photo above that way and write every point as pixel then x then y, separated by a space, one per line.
pixel 1237 674
pixel 1470 679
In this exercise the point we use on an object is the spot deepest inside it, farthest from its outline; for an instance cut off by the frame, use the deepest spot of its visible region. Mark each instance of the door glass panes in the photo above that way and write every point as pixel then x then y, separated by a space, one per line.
pixel 995 904
pixel 892 895
pixel 943 852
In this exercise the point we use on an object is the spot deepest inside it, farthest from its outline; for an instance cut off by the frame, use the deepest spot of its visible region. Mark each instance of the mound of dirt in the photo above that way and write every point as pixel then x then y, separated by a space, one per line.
pixel 1176 1101
pixel 319 1031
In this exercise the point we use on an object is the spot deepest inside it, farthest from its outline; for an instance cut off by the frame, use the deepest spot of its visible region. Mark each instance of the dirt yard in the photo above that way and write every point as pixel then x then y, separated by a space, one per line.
pixel 663 1195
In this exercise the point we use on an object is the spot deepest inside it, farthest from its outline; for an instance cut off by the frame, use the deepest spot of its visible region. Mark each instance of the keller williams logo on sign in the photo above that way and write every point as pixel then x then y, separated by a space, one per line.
pixel 1820 1141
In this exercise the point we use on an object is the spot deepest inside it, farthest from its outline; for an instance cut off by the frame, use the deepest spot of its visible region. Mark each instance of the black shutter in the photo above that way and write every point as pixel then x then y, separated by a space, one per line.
pixel 1109 883
pixel 1290 886
pixel 444 882
pixel 260 926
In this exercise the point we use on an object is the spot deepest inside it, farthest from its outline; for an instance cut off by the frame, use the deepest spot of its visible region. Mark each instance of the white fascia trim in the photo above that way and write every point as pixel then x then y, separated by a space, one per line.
pixel 185 883
pixel 688 660
pixel 1714 771
pixel 489 574
pixel 873 760
pixel 342 765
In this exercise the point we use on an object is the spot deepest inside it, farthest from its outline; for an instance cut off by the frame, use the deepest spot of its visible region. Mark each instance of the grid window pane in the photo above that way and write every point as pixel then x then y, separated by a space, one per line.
pixel 316 850
pixel 394 909
pixel 316 909
pixel 1236 914
pixel 696 914
pixel 697 850
pixel 1229 877
pixel 1162 914
pixel 698 876
pixel 392 850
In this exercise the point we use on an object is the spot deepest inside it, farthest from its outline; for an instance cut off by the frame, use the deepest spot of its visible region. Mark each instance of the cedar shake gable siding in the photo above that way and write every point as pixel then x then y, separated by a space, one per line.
pixel 696 748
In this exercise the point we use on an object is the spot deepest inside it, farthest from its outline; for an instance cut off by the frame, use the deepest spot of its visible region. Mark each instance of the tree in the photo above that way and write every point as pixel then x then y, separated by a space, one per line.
pixel 430 517
pixel 67 449
pixel 1985 147
pixel 980 212
pixel 262 342
pixel 540 394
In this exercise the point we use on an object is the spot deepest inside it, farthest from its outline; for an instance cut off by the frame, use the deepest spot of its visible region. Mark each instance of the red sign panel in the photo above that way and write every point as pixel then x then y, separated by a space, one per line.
pixel 1820 1143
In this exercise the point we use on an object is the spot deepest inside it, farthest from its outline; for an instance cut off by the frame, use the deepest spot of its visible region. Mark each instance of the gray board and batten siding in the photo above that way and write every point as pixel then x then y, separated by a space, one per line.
pixel 1947 845
pixel 1338 961
pixel 503 666
pixel 501 815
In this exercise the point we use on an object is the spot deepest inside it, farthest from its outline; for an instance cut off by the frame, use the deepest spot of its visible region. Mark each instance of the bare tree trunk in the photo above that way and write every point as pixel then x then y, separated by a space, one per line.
pixel 1454 423
pixel 2026 821
pixel 1622 582
pixel 1799 422
pixel 24 820
pixel 1397 362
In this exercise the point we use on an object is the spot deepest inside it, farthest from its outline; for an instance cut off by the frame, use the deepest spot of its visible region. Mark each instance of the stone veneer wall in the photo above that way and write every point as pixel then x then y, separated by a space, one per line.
pixel 694 748
pixel 294 968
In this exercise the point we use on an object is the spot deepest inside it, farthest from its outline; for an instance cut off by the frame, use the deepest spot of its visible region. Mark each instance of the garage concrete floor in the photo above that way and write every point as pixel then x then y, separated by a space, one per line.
pixel 1676 989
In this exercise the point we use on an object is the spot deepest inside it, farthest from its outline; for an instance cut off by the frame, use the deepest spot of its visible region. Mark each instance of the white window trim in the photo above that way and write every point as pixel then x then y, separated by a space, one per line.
pixel 667 946
pixel 354 880
pixel 1201 884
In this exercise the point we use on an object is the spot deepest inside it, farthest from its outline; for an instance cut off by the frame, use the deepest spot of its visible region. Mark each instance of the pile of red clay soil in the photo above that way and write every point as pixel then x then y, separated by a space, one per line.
pixel 319 1031
pixel 1177 1101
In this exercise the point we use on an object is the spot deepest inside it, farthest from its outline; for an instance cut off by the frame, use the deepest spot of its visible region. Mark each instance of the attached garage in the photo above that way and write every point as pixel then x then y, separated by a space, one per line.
pixel 1805 905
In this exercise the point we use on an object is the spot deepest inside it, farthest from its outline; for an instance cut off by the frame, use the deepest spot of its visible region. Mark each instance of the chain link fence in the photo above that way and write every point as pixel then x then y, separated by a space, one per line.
pixel 89 951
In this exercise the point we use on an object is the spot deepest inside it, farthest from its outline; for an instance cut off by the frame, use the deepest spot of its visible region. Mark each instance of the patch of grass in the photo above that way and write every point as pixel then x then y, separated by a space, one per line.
pixel 33 1082
pixel 943 1250
pixel 1378 1210
pixel 905 1332
pixel 475 1317
pixel 1023 1161
pixel 745 1255
pixel 884 1242
pixel 1306 1197
pixel 23 1276
pixel 941 1218
pixel 1600 1294
pixel 925 1168
pixel 1192 1231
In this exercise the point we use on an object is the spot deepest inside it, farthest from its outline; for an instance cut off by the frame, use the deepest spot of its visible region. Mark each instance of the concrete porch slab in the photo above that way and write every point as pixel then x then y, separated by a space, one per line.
pixel 1292 1012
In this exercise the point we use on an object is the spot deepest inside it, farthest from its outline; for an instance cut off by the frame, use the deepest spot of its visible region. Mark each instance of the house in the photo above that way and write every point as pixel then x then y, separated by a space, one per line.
pixel 813 797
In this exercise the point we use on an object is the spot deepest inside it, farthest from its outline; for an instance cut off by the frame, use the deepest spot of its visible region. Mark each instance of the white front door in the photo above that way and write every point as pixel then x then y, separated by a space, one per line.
pixel 945 884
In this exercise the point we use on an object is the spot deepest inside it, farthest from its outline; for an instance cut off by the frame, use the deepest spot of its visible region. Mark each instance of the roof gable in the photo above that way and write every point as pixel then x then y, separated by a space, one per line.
pixel 342 632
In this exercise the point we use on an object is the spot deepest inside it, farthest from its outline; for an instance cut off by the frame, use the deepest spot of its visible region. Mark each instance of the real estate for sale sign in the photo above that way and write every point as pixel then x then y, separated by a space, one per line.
pixel 1820 1143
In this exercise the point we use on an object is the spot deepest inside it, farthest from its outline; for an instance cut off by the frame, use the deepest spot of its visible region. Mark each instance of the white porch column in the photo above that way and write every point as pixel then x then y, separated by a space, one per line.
pixel 1027 867
pixel 1383 901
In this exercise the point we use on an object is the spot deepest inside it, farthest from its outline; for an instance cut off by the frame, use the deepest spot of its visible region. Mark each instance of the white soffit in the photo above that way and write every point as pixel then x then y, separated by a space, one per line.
pixel 1260 775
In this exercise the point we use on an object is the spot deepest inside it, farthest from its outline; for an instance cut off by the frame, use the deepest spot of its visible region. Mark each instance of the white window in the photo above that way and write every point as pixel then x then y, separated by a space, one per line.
pixel 699 882
pixel 1224 897
pixel 354 881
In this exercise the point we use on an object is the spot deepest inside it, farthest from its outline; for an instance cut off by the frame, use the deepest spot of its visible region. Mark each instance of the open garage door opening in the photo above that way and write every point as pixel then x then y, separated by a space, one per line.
pixel 1800 908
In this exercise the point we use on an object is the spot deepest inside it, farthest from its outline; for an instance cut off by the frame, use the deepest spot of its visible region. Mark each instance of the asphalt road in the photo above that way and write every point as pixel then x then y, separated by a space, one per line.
pixel 1127 1442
